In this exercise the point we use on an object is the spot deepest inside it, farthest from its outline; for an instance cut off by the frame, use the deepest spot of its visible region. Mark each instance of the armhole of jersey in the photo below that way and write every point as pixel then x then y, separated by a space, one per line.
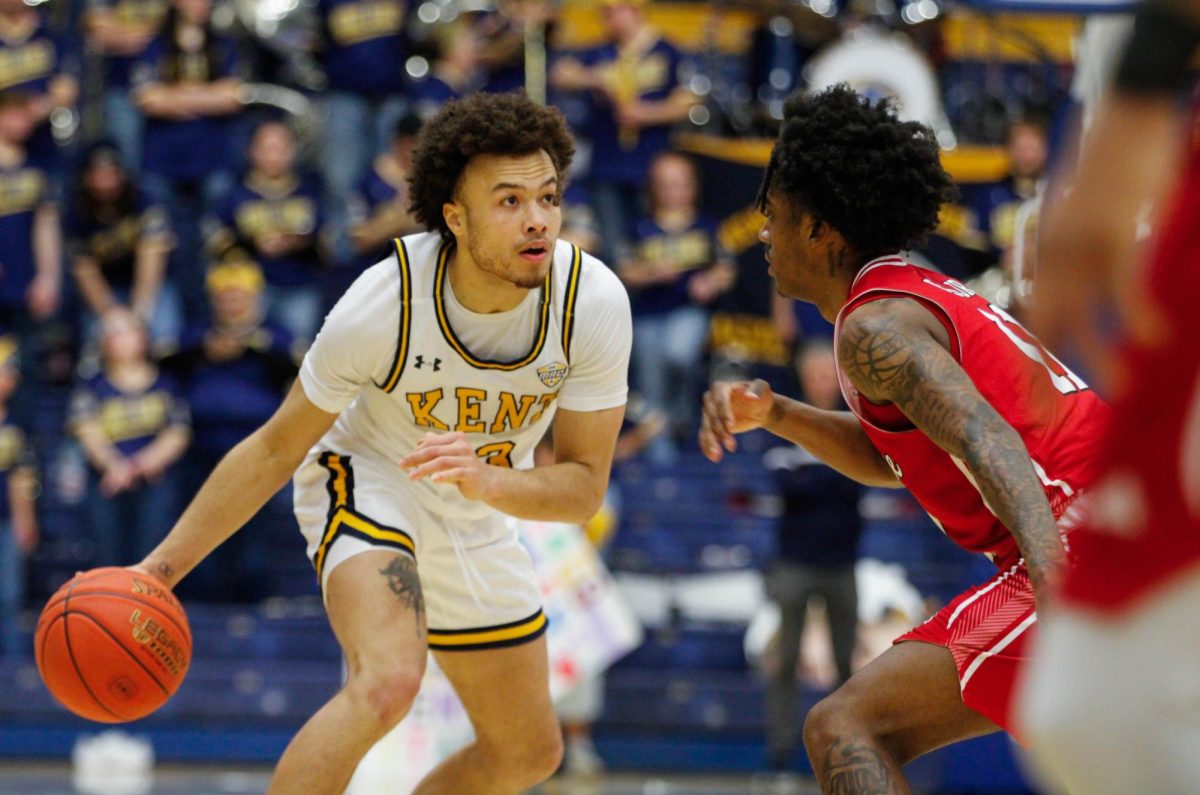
pixel 930 306
pixel 405 318
pixel 568 320
pixel 933 307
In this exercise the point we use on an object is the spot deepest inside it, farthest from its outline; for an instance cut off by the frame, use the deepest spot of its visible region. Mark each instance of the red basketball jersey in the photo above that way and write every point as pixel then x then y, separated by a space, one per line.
pixel 1059 418
pixel 1144 529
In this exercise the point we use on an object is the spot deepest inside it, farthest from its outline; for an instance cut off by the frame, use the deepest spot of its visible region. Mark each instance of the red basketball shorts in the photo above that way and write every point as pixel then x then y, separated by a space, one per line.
pixel 989 630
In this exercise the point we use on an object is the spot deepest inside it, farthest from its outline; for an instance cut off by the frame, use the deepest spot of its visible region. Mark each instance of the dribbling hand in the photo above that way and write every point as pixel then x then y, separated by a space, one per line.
pixel 732 407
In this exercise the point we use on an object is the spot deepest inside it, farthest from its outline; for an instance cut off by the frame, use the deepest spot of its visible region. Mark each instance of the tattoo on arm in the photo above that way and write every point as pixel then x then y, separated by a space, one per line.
pixel 165 571
pixel 889 358
pixel 855 769
pixel 401 574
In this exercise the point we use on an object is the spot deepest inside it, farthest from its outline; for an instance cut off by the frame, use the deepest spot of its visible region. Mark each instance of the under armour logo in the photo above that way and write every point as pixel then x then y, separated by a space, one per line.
pixel 420 362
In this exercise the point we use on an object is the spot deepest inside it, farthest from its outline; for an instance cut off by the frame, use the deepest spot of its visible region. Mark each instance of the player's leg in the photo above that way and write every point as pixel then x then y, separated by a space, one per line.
pixel 376 609
pixel 902 705
pixel 506 692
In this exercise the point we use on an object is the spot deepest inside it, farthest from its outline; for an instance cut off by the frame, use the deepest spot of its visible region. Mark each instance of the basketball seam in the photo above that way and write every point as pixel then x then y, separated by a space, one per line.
pixel 123 648
pixel 71 655
pixel 122 595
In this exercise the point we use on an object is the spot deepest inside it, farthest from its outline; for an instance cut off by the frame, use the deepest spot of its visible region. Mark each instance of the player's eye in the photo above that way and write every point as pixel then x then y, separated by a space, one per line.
pixel 509 201
pixel 550 198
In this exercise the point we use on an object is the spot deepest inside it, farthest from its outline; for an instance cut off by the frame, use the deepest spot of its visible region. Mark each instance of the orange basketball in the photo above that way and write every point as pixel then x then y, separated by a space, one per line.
pixel 112 645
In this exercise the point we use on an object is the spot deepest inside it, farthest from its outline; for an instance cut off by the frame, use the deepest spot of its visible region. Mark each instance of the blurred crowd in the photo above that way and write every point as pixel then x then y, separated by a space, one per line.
pixel 186 186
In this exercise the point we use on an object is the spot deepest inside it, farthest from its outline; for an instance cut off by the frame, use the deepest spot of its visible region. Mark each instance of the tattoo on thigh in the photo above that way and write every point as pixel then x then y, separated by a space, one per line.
pixel 852 769
pixel 401 574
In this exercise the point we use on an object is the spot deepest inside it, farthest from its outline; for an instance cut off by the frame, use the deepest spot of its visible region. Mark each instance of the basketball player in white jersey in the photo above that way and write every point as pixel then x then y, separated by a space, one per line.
pixel 411 432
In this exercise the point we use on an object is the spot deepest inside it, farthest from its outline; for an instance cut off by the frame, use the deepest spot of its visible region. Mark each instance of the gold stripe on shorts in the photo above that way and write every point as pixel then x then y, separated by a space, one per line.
pixel 494 637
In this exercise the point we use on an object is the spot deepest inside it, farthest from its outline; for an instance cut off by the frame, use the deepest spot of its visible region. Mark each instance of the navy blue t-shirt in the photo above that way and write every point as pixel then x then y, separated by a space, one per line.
pixel 686 251
pixel 373 190
pixel 29 65
pixel 186 149
pixel 253 210
pixel 111 236
pixel 624 157
pixel 429 95
pixel 143 14
pixel 364 45
pixel 820 525
pixel 23 189
pixel 130 420
pixel 229 400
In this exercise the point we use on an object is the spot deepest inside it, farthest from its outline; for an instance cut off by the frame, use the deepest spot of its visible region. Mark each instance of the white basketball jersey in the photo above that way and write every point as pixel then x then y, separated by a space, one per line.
pixel 425 379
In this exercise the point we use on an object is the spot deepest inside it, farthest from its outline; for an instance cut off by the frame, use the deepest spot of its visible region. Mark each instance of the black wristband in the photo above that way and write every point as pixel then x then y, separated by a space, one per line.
pixel 1159 54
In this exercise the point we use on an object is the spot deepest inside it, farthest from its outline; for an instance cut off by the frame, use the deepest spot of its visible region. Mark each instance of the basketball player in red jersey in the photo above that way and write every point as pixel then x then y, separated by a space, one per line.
pixel 1113 702
pixel 950 397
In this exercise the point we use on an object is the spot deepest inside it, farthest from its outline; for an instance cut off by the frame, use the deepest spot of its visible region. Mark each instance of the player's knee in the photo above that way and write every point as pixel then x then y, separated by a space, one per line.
pixel 824 725
pixel 387 692
pixel 531 758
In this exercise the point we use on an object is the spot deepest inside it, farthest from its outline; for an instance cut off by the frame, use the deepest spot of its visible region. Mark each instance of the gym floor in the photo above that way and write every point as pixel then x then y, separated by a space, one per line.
pixel 55 779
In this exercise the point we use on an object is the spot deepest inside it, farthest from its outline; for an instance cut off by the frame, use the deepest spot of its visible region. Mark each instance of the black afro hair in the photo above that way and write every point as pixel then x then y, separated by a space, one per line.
pixel 853 164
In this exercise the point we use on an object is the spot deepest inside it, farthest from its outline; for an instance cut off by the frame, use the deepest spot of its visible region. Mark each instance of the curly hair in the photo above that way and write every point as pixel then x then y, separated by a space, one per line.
pixel 480 124
pixel 852 163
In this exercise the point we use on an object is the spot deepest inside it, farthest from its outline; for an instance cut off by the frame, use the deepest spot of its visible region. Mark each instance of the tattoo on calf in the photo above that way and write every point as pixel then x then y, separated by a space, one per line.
pixel 402 579
pixel 852 769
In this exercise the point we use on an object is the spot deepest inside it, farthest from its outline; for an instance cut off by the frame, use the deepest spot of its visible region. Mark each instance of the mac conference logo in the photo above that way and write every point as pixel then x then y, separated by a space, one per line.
pixel 552 374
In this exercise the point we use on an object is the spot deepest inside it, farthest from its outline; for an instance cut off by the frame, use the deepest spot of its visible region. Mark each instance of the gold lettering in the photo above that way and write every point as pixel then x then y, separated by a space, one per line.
pixel 509 415
pixel 546 400
pixel 469 401
pixel 423 404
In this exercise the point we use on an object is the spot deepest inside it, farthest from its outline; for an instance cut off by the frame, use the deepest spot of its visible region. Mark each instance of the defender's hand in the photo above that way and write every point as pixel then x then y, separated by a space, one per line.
pixel 449 458
pixel 733 407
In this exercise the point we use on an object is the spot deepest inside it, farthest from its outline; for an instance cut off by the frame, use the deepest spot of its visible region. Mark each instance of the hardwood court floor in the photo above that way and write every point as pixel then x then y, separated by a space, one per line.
pixel 55 779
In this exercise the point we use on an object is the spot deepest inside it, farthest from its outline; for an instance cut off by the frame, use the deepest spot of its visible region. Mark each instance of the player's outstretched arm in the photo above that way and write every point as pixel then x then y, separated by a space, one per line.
pixel 241 484
pixel 835 437
pixel 889 350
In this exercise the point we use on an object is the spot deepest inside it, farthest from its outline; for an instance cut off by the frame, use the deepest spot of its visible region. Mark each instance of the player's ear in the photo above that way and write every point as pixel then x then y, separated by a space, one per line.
pixel 817 228
pixel 454 216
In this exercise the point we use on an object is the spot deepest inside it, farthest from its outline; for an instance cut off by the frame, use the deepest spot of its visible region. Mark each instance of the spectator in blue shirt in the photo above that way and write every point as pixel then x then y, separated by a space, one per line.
pixel 363 52
pixel 30 235
pixel 133 423
pixel 275 215
pixel 455 71
pixel 637 96
pixel 18 519
pixel 677 270
pixel 379 210
pixel 186 84
pixel 815 557
pixel 36 62
pixel 120 31
pixel 119 242
pixel 236 370
pixel 503 31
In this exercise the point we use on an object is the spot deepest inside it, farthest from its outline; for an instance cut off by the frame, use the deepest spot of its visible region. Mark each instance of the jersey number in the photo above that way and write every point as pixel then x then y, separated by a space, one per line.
pixel 1060 375
pixel 498 454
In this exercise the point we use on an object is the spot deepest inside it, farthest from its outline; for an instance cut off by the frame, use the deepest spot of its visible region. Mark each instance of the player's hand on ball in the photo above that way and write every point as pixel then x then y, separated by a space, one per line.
pixel 449 458
pixel 732 407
